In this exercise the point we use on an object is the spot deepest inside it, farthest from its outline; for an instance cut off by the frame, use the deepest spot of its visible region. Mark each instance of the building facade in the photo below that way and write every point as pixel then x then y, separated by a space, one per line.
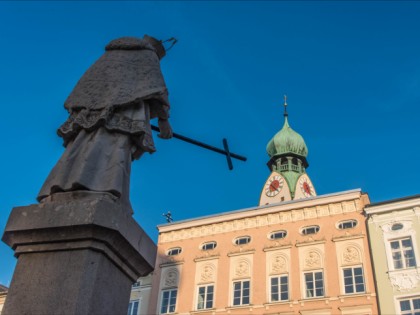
pixel 140 296
pixel 307 256
pixel 394 233
pixel 295 253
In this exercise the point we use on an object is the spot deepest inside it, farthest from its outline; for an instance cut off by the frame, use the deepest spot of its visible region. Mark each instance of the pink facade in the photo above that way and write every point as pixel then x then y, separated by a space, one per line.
pixel 308 256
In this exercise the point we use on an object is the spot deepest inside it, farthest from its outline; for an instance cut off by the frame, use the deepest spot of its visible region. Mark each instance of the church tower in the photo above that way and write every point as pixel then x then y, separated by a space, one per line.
pixel 288 179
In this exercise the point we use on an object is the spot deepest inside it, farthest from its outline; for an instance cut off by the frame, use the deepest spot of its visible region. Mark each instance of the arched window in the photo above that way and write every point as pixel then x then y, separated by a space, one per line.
pixel 242 240
pixel 174 251
pixel 308 230
pixel 276 235
pixel 348 224
pixel 208 245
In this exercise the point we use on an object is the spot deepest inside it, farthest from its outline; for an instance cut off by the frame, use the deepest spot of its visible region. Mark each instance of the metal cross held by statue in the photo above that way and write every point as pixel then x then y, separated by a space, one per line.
pixel 229 155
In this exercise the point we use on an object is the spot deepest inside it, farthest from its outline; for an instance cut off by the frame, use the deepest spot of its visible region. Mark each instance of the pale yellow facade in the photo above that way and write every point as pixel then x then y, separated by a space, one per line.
pixel 394 232
pixel 283 258
pixel 140 296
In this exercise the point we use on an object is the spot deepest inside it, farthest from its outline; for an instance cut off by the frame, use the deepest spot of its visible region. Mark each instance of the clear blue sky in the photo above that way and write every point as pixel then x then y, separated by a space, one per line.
pixel 351 71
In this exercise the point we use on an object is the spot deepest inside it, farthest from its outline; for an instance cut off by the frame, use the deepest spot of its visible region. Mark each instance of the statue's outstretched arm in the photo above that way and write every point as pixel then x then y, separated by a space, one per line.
pixel 165 129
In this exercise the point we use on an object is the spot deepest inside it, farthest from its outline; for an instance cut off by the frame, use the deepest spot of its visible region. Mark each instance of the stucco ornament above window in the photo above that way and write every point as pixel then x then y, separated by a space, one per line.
pixel 278 265
pixel 398 227
pixel 207 273
pixel 313 260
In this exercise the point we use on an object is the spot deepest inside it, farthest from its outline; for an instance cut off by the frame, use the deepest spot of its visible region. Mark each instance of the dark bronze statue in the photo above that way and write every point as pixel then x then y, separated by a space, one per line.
pixel 110 110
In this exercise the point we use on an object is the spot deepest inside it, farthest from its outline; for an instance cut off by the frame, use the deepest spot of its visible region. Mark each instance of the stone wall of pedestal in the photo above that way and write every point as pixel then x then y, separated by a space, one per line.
pixel 78 253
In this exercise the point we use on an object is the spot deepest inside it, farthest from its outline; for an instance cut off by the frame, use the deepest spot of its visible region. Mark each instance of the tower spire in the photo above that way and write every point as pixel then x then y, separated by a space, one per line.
pixel 285 106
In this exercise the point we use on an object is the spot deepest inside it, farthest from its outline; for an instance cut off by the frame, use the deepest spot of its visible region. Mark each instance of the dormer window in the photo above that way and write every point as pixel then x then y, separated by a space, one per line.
pixel 276 235
pixel 174 251
pixel 242 240
pixel 348 224
pixel 308 230
pixel 208 246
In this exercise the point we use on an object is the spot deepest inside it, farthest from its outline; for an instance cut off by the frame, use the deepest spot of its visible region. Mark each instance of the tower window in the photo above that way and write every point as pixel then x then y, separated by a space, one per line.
pixel 308 230
pixel 242 240
pixel 174 251
pixel 208 246
pixel 276 235
pixel 348 224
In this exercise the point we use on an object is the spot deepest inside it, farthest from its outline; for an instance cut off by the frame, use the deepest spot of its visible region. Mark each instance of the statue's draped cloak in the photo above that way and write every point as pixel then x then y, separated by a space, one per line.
pixel 109 120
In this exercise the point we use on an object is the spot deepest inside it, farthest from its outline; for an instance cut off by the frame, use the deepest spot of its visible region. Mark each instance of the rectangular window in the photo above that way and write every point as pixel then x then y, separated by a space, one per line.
pixel 410 306
pixel 279 288
pixel 168 301
pixel 354 281
pixel 205 297
pixel 241 291
pixel 403 253
pixel 133 308
pixel 314 284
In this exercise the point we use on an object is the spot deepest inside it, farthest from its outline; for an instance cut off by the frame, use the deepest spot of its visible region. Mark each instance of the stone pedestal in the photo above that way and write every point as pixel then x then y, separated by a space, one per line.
pixel 78 253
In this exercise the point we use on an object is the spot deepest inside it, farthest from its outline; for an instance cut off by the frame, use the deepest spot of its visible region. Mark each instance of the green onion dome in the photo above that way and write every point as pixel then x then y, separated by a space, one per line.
pixel 287 141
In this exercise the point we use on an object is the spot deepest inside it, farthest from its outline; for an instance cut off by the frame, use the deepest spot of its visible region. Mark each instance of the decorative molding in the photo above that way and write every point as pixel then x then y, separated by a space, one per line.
pixel 279 264
pixel 277 247
pixel 406 229
pixel 204 258
pixel 171 278
pixel 242 269
pixel 239 253
pixel 351 255
pixel 348 237
pixel 312 260
pixel 208 272
pixel 279 217
pixel 405 280
pixel 310 242
pixel 171 263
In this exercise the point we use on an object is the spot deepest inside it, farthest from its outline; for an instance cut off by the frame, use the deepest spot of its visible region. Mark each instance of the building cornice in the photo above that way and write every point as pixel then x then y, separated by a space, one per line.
pixel 394 205
pixel 261 210
pixel 307 209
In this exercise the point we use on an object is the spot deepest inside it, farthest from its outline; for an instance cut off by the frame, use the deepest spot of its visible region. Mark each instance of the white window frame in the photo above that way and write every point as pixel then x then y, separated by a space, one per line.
pixel 305 229
pixel 353 223
pixel 131 309
pixel 242 295
pixel 305 287
pixel 282 233
pixel 206 296
pixel 404 260
pixel 279 288
pixel 390 235
pixel 353 277
pixel 208 245
pixel 237 240
pixel 169 305
pixel 408 298
pixel 174 251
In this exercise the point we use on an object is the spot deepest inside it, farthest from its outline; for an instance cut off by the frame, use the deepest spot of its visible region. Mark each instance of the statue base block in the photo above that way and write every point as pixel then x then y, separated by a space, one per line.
pixel 78 253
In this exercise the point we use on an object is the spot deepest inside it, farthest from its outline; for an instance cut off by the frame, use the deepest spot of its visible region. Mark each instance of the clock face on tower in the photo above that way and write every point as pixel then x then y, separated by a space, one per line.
pixel 306 187
pixel 274 185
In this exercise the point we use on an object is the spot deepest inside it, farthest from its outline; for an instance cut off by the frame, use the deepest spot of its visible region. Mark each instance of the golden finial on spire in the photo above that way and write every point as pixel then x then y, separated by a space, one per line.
pixel 285 105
